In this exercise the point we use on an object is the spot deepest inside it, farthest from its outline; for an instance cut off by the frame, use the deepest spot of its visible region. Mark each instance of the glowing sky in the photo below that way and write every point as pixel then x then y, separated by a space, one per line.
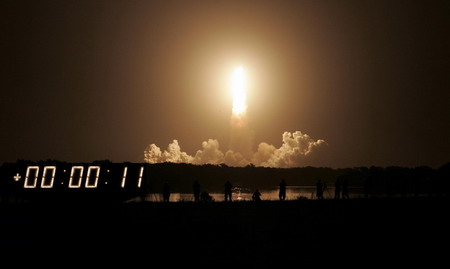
pixel 90 80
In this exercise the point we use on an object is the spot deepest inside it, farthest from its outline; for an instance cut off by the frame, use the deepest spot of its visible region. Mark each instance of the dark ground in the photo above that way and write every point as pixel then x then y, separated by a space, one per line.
pixel 266 234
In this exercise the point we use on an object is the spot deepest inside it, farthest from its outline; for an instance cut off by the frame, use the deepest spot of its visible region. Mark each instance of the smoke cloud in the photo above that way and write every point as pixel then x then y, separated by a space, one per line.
pixel 295 150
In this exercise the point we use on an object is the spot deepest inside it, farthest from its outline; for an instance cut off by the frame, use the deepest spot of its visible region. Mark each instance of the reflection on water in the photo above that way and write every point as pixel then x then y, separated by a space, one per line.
pixel 242 194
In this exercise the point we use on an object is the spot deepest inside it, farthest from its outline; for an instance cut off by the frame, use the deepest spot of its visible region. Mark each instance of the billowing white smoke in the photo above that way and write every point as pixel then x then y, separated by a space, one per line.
pixel 294 151
pixel 295 148
pixel 173 154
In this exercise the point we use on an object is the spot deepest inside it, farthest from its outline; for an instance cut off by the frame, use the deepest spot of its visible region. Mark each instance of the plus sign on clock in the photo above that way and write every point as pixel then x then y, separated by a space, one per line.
pixel 17 177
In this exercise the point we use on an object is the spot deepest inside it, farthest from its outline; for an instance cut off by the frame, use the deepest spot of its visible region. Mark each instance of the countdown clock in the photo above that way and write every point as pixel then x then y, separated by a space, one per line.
pixel 84 180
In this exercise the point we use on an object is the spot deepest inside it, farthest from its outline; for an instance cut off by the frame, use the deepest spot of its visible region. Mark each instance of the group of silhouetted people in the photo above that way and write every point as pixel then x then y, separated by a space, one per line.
pixel 281 194
pixel 228 192
pixel 339 188
pixel 257 194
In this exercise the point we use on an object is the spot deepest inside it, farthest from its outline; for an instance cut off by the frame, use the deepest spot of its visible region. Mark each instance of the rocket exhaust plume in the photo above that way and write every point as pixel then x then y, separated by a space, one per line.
pixel 294 151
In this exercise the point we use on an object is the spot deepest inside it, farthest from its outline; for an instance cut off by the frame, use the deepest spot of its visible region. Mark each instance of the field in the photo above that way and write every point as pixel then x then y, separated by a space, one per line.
pixel 225 234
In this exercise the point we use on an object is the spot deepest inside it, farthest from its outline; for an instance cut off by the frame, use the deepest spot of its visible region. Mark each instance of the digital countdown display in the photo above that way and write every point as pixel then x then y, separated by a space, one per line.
pixel 77 176
pixel 120 179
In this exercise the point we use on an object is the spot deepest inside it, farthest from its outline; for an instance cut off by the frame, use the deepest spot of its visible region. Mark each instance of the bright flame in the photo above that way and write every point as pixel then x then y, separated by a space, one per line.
pixel 238 91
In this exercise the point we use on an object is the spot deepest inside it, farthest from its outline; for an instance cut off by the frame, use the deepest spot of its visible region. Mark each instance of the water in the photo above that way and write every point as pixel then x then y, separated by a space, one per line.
pixel 242 194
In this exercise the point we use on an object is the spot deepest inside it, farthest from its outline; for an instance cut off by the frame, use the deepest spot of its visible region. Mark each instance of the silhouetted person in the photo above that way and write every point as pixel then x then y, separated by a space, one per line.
pixel 282 193
pixel 345 193
pixel 319 190
pixel 256 196
pixel 324 189
pixel 166 192
pixel 205 197
pixel 196 191
pixel 337 189
pixel 228 191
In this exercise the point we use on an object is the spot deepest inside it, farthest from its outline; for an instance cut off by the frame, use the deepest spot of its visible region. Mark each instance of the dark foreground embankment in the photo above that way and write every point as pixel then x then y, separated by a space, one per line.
pixel 225 234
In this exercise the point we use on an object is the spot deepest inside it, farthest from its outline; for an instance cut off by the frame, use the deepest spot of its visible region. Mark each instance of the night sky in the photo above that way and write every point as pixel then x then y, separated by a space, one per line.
pixel 93 80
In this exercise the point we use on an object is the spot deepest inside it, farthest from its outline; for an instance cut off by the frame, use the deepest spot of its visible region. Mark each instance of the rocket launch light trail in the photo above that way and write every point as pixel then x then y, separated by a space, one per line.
pixel 238 91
